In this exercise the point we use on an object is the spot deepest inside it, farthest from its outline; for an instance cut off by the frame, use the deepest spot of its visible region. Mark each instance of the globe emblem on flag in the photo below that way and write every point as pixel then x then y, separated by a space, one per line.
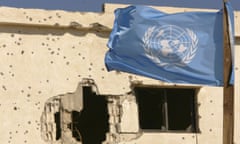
pixel 170 45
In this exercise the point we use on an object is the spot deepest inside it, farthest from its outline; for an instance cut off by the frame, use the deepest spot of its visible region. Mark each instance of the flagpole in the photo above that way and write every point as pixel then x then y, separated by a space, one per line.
pixel 228 94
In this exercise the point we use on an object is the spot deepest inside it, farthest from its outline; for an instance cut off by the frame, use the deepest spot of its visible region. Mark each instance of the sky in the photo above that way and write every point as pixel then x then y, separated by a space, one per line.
pixel 96 5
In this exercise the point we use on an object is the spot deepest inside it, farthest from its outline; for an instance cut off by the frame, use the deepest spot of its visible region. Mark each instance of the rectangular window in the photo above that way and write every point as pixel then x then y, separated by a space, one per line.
pixel 167 109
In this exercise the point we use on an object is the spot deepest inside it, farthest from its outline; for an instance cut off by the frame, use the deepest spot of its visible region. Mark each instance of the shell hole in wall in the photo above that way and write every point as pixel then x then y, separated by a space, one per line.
pixel 88 126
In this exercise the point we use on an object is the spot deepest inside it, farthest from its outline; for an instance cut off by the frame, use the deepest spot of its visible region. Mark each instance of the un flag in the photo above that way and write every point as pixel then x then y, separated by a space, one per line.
pixel 177 48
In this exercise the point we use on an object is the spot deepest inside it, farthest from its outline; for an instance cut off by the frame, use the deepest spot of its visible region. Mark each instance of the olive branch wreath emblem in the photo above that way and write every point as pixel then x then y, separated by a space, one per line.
pixel 151 55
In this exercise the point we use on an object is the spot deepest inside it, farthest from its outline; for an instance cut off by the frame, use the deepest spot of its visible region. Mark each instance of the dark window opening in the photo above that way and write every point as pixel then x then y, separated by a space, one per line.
pixel 58 125
pixel 91 124
pixel 167 109
pixel 93 120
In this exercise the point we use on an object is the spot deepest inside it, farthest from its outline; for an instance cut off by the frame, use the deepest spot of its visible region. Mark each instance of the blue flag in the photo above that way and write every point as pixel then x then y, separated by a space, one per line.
pixel 177 48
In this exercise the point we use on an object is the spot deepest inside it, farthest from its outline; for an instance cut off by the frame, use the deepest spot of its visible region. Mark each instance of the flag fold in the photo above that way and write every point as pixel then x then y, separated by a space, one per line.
pixel 177 48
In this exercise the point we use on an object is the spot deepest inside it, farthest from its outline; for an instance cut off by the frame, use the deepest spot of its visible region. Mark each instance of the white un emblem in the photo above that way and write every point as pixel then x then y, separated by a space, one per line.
pixel 170 45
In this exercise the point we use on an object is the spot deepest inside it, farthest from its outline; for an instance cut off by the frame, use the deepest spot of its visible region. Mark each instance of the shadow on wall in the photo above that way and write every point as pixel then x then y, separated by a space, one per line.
pixel 74 28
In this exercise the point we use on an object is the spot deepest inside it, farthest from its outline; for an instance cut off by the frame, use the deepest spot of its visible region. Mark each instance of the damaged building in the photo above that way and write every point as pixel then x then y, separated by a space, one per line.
pixel 55 88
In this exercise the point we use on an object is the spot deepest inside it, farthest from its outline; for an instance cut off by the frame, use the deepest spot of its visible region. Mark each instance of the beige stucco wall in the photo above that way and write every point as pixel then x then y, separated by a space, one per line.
pixel 47 53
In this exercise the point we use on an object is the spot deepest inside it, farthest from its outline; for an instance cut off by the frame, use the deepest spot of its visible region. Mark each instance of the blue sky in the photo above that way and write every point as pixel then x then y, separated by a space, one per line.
pixel 96 5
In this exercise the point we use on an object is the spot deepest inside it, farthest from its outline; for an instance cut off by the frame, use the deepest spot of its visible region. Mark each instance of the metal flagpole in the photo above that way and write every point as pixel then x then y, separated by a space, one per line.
pixel 228 98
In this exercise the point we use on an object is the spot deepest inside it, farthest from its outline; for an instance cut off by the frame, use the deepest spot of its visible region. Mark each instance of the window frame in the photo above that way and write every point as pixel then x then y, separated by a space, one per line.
pixel 194 108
